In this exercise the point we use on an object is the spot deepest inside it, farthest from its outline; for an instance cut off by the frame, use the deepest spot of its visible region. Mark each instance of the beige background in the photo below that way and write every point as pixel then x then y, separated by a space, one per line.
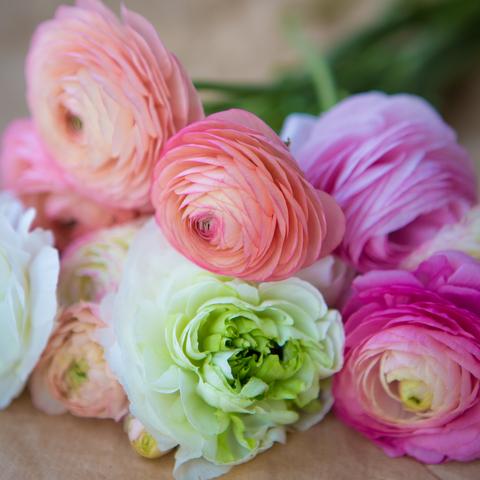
pixel 223 40
pixel 215 39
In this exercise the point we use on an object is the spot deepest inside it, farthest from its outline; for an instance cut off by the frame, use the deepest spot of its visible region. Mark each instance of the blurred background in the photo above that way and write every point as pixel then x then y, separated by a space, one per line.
pixel 250 42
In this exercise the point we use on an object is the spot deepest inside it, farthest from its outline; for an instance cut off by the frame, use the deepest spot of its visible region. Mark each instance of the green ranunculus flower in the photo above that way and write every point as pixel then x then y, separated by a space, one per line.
pixel 216 365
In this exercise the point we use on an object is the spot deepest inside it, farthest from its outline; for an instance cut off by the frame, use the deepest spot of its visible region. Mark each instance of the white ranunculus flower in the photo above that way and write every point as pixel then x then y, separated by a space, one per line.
pixel 220 366
pixel 29 267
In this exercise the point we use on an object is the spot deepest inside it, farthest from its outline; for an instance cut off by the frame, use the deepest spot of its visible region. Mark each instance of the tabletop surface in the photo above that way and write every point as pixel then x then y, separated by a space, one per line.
pixel 34 446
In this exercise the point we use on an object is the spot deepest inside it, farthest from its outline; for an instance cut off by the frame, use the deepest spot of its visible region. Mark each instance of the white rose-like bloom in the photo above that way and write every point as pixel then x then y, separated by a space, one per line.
pixel 220 366
pixel 29 267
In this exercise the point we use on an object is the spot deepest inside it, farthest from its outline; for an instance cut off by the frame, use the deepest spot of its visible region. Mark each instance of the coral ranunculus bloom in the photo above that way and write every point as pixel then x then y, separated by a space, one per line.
pixel 229 196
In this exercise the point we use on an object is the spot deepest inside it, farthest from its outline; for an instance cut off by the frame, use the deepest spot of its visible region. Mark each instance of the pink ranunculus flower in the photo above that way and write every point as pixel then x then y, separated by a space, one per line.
pixel 105 95
pixel 463 236
pixel 229 196
pixel 72 374
pixel 393 166
pixel 28 171
pixel 411 377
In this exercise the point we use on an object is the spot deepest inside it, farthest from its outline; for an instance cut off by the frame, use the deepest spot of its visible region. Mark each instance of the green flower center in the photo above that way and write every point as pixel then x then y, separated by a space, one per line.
pixel 76 374
pixel 74 122
pixel 415 395
pixel 251 347
pixel 146 446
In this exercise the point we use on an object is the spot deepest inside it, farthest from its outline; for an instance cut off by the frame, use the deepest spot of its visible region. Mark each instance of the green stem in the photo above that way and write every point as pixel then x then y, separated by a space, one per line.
pixel 317 66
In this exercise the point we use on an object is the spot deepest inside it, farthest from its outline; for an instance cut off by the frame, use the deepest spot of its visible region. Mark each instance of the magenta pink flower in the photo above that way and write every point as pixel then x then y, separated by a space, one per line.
pixel 105 95
pixel 393 166
pixel 229 196
pixel 411 378
pixel 29 172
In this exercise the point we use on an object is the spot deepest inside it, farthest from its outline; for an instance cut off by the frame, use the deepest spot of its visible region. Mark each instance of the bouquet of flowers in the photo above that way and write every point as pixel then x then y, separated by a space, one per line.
pixel 214 285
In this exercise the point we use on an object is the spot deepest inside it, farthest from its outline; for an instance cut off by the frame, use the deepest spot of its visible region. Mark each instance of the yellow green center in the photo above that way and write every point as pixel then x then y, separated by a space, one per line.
pixel 415 395
pixel 76 374
pixel 146 446
pixel 74 122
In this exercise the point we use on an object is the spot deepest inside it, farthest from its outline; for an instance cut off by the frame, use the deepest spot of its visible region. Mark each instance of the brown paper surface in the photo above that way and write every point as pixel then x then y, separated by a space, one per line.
pixel 34 446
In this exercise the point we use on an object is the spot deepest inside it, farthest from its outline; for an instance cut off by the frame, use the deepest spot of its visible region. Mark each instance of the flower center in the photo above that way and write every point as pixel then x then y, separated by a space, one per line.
pixel 74 123
pixel 146 446
pixel 76 374
pixel 415 395
pixel 206 227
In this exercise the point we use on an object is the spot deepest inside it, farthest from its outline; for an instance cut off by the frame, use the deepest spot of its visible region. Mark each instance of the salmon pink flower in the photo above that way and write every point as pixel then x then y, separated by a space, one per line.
pixel 105 95
pixel 72 374
pixel 229 196
pixel 411 379
pixel 28 171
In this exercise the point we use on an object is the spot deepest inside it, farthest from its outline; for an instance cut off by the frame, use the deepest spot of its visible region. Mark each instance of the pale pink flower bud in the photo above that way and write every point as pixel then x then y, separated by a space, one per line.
pixel 141 441
pixel 72 374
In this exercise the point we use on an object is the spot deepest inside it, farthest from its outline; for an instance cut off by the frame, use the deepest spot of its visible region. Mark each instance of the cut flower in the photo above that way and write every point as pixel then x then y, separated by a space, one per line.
pixel 217 365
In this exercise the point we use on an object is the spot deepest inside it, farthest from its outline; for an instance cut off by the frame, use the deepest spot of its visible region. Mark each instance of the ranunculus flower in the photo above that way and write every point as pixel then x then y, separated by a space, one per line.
pixel 28 279
pixel 28 171
pixel 463 236
pixel 105 95
pixel 393 166
pixel 92 266
pixel 214 364
pixel 72 374
pixel 141 441
pixel 229 196
pixel 332 276
pixel 411 380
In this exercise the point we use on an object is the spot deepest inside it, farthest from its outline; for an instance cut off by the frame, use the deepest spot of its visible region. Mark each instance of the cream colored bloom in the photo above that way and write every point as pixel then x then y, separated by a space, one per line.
pixel 29 268
pixel 217 365
pixel 92 266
